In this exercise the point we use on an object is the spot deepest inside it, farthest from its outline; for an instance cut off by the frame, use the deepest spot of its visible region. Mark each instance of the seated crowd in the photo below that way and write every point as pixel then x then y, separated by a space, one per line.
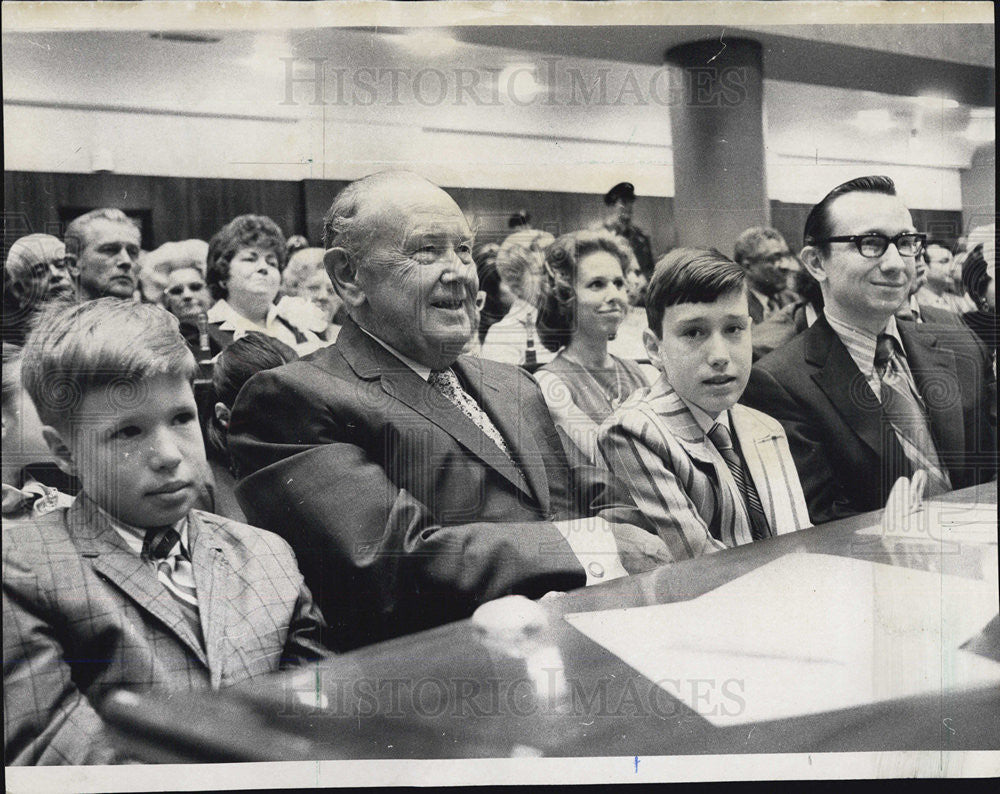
pixel 228 458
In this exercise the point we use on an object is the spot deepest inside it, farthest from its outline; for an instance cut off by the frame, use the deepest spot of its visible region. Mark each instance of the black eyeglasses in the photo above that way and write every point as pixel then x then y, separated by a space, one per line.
pixel 178 289
pixel 873 244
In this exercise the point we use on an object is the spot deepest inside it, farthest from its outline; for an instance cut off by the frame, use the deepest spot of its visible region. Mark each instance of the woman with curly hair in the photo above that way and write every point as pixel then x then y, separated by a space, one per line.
pixel 245 260
pixel 583 302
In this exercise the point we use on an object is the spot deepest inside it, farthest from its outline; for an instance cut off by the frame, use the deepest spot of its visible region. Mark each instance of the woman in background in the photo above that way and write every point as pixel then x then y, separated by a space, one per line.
pixel 308 298
pixel 514 339
pixel 583 302
pixel 245 260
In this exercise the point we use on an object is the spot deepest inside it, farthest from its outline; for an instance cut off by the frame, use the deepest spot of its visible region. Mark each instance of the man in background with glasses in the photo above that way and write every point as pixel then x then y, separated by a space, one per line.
pixel 865 399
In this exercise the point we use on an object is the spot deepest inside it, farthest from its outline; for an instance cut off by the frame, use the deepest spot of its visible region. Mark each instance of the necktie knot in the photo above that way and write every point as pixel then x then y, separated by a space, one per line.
pixel 885 346
pixel 159 542
pixel 721 437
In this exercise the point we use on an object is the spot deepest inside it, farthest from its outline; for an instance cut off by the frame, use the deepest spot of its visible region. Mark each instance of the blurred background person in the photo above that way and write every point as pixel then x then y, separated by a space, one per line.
pixel 496 295
pixel 245 357
pixel 583 302
pixel 620 201
pixel 102 254
pixel 26 456
pixel 245 260
pixel 308 298
pixel 979 280
pixel 519 221
pixel 790 320
pixel 294 244
pixel 628 342
pixel 763 252
pixel 514 339
pixel 938 288
pixel 33 273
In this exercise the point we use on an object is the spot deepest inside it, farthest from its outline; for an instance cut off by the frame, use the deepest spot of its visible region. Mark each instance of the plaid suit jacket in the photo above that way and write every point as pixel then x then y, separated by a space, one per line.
pixel 84 614
pixel 674 474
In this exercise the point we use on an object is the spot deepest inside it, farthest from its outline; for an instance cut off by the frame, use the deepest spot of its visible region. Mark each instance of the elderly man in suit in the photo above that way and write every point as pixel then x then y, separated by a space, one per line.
pixel 413 483
pixel 865 399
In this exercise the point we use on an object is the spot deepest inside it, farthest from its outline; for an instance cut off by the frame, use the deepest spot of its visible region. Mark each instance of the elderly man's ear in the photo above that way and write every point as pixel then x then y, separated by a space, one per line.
pixel 72 265
pixel 343 273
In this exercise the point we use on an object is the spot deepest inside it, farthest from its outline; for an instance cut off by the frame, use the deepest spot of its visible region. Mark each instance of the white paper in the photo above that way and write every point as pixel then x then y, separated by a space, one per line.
pixel 803 634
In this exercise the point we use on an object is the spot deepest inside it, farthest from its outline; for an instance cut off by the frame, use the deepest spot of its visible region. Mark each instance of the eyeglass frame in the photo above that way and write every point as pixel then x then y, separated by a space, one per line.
pixel 857 238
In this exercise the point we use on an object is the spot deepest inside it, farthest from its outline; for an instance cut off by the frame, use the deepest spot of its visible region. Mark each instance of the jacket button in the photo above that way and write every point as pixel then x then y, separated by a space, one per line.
pixel 595 569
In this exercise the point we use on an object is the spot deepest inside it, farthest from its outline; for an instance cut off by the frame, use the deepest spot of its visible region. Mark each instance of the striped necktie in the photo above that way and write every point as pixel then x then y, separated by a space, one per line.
pixel 906 415
pixel 723 440
pixel 163 547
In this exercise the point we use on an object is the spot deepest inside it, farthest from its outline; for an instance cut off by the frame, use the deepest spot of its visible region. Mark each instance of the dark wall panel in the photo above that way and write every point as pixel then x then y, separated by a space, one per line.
pixel 179 208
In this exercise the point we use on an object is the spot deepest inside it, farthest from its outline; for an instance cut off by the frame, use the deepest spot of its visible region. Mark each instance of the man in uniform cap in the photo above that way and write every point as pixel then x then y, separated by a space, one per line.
pixel 620 199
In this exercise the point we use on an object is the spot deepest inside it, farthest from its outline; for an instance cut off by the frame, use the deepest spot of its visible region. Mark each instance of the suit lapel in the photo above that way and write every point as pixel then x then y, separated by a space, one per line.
pixel 933 367
pixel 214 606
pixel 842 382
pixel 121 566
pixel 487 387
pixel 370 360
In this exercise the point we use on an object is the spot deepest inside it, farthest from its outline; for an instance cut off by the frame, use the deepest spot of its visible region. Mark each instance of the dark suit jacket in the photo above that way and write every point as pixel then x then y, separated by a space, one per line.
pixel 846 453
pixel 402 513
pixel 83 614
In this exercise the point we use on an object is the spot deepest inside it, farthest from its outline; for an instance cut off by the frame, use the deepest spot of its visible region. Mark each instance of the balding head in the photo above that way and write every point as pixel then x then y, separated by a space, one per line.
pixel 35 270
pixel 399 253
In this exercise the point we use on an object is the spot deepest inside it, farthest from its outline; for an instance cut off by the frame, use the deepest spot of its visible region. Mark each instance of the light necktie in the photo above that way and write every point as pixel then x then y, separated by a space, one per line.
pixel 446 382
pixel 164 549
pixel 907 417
pixel 723 440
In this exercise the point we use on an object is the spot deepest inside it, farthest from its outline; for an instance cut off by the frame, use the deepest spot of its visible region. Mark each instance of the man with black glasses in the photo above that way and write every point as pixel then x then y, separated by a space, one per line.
pixel 864 399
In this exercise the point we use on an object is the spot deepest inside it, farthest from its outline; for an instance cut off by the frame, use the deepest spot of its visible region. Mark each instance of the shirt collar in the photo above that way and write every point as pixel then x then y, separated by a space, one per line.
pixel 231 320
pixel 423 371
pixel 861 344
pixel 702 418
pixel 134 537
pixel 764 300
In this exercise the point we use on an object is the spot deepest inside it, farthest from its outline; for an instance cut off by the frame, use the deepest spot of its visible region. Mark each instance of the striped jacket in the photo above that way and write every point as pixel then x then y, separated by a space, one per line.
pixel 679 482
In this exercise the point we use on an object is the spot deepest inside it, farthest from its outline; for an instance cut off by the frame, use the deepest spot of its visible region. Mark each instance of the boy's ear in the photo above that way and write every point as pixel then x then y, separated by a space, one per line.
pixel 812 261
pixel 652 345
pixel 72 265
pixel 343 272
pixel 222 414
pixel 59 449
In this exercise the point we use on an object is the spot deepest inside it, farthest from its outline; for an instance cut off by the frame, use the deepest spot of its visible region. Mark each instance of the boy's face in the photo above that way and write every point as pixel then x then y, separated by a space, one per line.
pixel 705 351
pixel 141 457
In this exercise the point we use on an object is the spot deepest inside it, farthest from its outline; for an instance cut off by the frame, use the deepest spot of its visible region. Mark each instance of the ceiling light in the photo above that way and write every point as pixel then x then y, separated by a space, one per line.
pixel 517 81
pixel 427 41
pixel 935 102
pixel 980 130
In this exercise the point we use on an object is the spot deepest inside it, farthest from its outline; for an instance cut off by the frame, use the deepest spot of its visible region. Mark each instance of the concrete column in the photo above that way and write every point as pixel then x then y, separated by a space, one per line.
pixel 717 126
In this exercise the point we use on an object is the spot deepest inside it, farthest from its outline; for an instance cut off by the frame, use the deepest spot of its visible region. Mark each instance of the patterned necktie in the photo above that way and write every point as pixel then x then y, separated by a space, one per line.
pixel 723 440
pixel 909 422
pixel 163 548
pixel 446 382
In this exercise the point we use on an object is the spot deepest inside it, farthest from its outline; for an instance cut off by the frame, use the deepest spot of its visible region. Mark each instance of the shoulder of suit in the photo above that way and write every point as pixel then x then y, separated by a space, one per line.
pixel 789 357
pixel 633 415
pixel 30 541
pixel 761 419
pixel 236 534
